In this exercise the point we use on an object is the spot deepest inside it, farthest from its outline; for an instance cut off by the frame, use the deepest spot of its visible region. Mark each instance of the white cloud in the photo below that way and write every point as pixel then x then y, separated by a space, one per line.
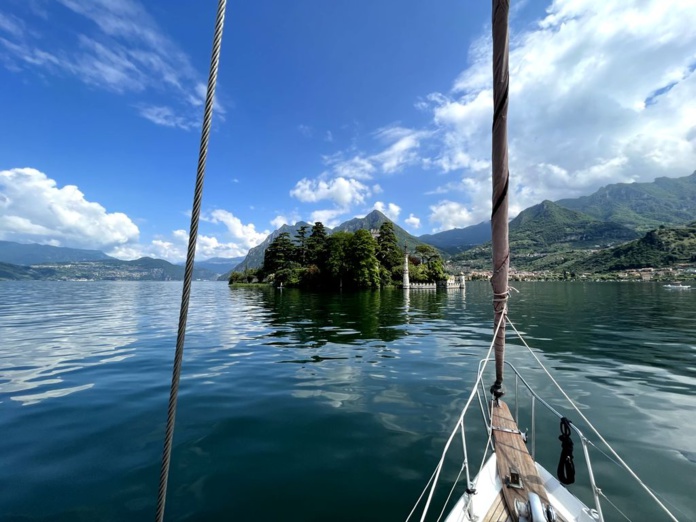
pixel 391 210
pixel 165 116
pixel 450 214
pixel 175 247
pixel 247 234
pixel 601 92
pixel 329 136
pixel 356 167
pixel 328 217
pixel 122 50
pixel 11 24
pixel 285 219
pixel 342 191
pixel 33 208
pixel 279 221
pixel 413 221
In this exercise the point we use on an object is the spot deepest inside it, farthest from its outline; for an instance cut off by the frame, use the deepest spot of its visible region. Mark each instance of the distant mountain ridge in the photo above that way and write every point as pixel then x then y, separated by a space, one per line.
pixel 459 239
pixel 659 248
pixel 549 226
pixel 641 205
pixel 143 269
pixel 32 253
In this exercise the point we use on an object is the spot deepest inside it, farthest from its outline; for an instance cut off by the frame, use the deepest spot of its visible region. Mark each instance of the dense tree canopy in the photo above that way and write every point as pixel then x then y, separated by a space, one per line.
pixel 345 259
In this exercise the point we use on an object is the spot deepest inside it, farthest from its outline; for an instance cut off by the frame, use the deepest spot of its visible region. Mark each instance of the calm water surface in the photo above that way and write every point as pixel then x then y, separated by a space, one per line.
pixel 298 406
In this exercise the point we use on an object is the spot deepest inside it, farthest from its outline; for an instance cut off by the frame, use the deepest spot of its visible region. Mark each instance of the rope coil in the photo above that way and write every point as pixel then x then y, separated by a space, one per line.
pixel 566 466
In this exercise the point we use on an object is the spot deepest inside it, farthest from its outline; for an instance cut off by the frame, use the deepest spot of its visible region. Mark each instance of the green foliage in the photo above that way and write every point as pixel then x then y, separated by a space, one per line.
pixel 641 206
pixel 388 253
pixel 317 245
pixel 362 261
pixel 337 259
pixel 342 260
pixel 660 248
pixel 280 254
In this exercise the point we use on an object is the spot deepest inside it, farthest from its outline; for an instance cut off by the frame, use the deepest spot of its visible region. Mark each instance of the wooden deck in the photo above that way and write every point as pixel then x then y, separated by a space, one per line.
pixel 498 511
pixel 511 453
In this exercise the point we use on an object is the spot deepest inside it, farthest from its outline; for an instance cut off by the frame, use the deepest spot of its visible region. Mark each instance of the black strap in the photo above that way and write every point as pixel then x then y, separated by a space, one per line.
pixel 566 466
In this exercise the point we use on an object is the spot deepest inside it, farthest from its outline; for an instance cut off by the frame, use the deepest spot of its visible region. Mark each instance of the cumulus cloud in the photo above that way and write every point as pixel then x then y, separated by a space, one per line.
pixel 174 248
pixel 601 92
pixel 413 221
pixel 34 208
pixel 328 217
pixel 342 191
pixel 247 235
pixel 391 210
pixel 450 214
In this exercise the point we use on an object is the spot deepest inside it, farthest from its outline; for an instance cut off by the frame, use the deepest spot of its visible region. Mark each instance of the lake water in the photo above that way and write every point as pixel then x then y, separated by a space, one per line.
pixel 298 406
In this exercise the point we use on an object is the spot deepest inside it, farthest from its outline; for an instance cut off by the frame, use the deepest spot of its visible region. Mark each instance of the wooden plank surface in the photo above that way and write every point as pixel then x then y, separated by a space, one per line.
pixel 498 511
pixel 511 452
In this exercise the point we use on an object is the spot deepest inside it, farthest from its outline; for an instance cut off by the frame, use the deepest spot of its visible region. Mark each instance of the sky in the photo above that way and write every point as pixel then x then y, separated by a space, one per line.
pixel 324 111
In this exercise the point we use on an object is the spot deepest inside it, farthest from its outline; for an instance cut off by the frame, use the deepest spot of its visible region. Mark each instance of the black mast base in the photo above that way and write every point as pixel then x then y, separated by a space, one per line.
pixel 497 391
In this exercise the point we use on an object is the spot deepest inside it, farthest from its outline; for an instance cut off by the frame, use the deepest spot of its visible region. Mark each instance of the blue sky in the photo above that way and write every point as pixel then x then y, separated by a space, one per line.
pixel 325 110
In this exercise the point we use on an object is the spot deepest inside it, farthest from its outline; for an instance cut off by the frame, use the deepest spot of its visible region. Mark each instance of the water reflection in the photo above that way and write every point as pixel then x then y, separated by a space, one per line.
pixel 313 319
pixel 53 331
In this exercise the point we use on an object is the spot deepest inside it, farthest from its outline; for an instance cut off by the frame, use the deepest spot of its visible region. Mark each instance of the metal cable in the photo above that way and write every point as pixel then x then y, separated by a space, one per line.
pixel 591 426
pixel 188 274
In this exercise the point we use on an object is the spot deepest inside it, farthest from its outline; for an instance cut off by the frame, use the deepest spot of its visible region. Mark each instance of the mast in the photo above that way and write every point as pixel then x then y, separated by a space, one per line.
pixel 500 177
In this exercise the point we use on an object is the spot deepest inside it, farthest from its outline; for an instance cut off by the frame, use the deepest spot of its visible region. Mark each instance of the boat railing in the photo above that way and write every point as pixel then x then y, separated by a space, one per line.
pixel 485 402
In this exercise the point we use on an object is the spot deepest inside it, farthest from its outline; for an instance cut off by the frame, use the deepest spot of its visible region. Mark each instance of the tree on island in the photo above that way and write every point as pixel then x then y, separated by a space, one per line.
pixel 362 260
pixel 345 259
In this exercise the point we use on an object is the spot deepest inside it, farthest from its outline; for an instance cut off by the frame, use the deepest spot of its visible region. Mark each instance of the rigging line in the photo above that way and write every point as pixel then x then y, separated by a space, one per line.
pixel 438 468
pixel 614 506
pixel 591 426
pixel 421 495
pixel 188 274
pixel 444 506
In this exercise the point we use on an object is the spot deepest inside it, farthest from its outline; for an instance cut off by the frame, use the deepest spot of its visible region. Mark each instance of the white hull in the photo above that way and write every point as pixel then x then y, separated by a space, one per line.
pixel 488 488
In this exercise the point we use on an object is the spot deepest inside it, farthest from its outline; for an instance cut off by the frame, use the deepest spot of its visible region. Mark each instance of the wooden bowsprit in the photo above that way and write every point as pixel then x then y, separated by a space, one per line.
pixel 515 466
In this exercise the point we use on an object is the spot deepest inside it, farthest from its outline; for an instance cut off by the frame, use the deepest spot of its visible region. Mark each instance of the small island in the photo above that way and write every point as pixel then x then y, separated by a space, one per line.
pixel 352 260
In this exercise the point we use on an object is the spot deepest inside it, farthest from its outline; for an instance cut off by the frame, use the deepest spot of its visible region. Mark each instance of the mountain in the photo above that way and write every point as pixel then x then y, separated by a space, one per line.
pixel 219 265
pixel 372 222
pixel 548 226
pixel 32 254
pixel 543 236
pixel 660 248
pixel 641 205
pixel 254 258
pixel 459 239
pixel 143 269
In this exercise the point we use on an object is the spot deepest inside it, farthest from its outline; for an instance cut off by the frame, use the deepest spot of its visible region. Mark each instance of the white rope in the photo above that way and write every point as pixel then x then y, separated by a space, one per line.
pixel 438 468
pixel 420 497
pixel 614 506
pixel 591 426
pixel 454 485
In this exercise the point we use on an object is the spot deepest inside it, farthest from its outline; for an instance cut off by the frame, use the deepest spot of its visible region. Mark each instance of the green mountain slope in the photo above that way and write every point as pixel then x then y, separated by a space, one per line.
pixel 32 254
pixel 540 233
pixel 660 248
pixel 459 239
pixel 550 227
pixel 641 205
